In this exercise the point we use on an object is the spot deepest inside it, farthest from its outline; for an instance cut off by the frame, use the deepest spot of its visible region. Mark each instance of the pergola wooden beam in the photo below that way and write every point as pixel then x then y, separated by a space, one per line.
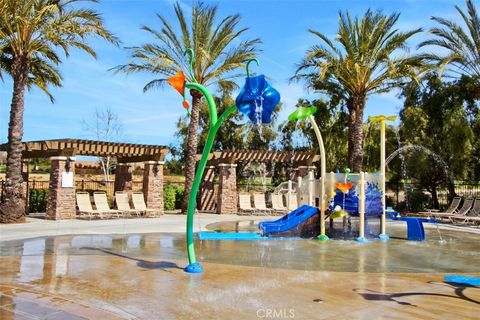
pixel 128 152
pixel 232 156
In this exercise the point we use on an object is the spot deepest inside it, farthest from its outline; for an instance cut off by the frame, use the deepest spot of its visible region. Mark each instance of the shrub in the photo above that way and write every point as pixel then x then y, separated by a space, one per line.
pixel 169 197
pixel 417 200
pixel 37 201
pixel 172 196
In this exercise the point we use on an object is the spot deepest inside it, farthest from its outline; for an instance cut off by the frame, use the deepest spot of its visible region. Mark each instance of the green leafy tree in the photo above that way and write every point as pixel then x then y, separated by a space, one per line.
pixel 433 113
pixel 31 32
pixel 332 122
pixel 219 54
pixel 368 56
pixel 462 45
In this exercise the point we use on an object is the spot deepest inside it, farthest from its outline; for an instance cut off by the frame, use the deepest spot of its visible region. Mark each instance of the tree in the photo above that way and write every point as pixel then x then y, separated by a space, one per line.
pixel 462 46
pixel 31 32
pixel 218 56
pixel 332 122
pixel 105 126
pixel 367 57
pixel 432 113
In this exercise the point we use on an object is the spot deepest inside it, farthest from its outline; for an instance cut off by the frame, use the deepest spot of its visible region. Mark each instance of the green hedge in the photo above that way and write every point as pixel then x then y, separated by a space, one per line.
pixel 37 201
pixel 172 196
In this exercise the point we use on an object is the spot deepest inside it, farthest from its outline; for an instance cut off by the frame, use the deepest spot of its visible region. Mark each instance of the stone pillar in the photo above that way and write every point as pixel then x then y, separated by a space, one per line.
pixel 227 198
pixel 206 198
pixel 303 171
pixel 153 185
pixel 61 194
pixel 123 177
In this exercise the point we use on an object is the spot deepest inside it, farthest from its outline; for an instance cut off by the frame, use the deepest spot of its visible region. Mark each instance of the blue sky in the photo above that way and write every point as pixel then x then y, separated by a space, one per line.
pixel 151 117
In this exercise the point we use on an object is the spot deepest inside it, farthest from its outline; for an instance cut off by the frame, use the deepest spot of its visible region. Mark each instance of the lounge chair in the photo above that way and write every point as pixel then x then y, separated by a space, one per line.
pixel 123 204
pixel 466 207
pixel 277 203
pixel 139 204
pixel 244 203
pixel 259 203
pixel 452 209
pixel 293 202
pixel 101 203
pixel 471 216
pixel 85 206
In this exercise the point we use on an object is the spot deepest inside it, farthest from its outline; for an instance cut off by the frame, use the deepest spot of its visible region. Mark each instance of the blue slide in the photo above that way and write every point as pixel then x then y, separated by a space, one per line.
pixel 289 221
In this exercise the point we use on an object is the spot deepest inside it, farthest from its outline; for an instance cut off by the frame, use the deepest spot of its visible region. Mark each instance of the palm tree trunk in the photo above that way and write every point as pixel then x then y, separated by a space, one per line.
pixel 12 209
pixel 356 105
pixel 192 143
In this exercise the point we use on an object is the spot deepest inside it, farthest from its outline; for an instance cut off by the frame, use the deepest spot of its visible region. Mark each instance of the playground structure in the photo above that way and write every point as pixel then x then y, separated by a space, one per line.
pixel 353 194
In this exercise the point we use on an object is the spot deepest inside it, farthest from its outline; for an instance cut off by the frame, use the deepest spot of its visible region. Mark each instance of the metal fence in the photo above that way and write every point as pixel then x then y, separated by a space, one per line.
pixel 37 190
pixel 402 196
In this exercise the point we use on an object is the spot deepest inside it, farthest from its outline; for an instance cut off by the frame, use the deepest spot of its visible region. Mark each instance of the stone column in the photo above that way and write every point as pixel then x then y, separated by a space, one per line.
pixel 153 185
pixel 227 198
pixel 303 171
pixel 61 195
pixel 123 177
pixel 206 198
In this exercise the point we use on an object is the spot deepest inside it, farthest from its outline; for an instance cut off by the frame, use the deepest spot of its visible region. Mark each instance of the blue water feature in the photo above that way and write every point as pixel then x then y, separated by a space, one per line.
pixel 289 221
pixel 465 280
pixel 373 201
pixel 229 235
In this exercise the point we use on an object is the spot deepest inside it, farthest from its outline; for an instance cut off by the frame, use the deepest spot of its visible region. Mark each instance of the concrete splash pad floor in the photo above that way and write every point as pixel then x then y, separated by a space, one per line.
pixel 141 277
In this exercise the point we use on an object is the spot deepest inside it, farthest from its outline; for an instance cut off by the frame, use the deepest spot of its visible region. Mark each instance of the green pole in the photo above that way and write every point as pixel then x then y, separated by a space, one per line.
pixel 215 123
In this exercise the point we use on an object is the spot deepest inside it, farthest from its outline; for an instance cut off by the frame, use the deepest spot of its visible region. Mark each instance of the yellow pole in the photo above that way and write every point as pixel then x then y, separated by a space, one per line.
pixel 323 174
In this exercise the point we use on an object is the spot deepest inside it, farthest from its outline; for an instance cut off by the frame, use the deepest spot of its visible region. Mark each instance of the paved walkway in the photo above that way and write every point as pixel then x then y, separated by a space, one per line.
pixel 36 227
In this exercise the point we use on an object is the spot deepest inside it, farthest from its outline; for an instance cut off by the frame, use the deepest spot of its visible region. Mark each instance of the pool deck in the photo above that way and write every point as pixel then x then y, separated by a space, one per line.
pixel 61 284
pixel 36 227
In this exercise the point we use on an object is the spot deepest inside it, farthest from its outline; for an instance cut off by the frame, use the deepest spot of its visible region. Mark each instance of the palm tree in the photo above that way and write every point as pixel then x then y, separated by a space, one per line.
pixel 31 31
pixel 462 46
pixel 367 57
pixel 217 59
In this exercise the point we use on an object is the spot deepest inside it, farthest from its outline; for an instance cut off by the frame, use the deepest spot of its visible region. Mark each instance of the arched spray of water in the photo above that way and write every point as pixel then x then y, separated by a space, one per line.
pixel 418 148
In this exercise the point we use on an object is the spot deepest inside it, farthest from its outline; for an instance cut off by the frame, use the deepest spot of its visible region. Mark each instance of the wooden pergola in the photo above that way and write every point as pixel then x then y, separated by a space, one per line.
pixel 232 156
pixel 124 152
pixel 225 200
pixel 61 202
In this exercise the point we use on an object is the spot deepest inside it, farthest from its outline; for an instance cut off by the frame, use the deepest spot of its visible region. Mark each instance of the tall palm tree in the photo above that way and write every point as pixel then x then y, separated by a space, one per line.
pixel 462 46
pixel 366 57
pixel 31 32
pixel 219 53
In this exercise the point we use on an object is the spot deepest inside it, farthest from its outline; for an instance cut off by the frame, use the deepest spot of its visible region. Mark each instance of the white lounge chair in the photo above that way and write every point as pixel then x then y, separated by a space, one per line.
pixel 85 206
pixel 293 202
pixel 244 203
pixel 277 203
pixel 138 201
pixel 259 203
pixel 101 203
pixel 123 204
